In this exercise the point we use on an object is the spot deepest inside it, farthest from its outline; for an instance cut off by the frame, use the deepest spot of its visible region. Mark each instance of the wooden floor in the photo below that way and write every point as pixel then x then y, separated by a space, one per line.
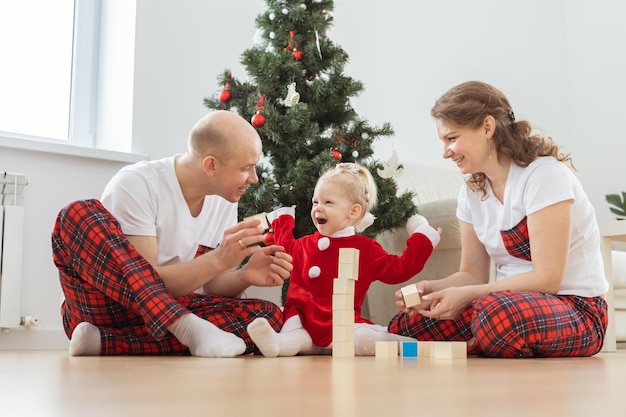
pixel 50 383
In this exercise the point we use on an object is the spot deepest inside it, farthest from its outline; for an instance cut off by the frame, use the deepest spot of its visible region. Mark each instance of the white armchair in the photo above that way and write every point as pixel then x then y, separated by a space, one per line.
pixel 436 191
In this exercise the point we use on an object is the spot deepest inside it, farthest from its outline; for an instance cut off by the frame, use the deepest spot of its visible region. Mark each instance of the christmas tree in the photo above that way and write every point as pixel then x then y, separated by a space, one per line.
pixel 298 97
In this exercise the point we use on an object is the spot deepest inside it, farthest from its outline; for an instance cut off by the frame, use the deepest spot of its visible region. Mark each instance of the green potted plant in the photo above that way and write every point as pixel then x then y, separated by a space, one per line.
pixel 619 204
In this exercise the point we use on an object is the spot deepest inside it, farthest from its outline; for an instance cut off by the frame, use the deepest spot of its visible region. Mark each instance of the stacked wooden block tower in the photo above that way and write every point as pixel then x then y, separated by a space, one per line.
pixel 343 302
pixel 343 319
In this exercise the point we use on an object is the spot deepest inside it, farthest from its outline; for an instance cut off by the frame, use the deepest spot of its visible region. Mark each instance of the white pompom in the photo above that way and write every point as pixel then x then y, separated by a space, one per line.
pixel 314 272
pixel 323 243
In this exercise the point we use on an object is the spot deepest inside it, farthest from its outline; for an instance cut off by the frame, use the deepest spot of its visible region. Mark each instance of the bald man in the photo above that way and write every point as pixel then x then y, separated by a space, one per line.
pixel 151 267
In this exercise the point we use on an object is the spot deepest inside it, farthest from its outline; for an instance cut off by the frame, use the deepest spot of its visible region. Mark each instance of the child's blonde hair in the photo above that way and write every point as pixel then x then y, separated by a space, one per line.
pixel 356 181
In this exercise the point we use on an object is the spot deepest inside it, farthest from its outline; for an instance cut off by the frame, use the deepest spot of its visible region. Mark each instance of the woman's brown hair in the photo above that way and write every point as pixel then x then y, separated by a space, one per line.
pixel 468 104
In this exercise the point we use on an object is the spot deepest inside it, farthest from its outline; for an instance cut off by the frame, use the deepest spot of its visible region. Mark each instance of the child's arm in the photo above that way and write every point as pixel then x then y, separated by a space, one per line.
pixel 282 222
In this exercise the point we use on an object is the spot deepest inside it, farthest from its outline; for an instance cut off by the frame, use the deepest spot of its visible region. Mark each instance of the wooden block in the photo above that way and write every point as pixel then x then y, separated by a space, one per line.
pixel 348 271
pixel 262 217
pixel 386 349
pixel 449 350
pixel 343 302
pixel 408 349
pixel 343 317
pixel 343 286
pixel 348 263
pixel 343 333
pixel 425 348
pixel 410 295
pixel 343 349
pixel 348 256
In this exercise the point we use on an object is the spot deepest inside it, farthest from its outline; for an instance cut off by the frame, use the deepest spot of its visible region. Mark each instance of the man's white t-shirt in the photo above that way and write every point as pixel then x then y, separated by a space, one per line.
pixel 544 182
pixel 146 199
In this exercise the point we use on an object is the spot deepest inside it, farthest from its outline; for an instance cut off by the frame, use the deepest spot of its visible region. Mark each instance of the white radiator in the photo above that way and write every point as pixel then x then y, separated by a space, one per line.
pixel 11 247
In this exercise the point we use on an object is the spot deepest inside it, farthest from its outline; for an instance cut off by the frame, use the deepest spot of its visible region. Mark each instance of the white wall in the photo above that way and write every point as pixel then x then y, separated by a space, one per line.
pixel 53 181
pixel 561 62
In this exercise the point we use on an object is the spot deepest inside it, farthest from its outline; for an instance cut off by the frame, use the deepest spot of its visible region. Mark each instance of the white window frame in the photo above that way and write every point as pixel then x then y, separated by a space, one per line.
pixel 83 102
pixel 93 19
pixel 84 78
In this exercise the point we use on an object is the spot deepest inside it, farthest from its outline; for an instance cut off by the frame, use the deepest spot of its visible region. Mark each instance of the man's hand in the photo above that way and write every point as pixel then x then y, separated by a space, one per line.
pixel 239 242
pixel 269 266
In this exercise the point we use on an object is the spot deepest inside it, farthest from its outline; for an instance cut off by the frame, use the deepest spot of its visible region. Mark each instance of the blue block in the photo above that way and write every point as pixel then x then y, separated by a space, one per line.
pixel 409 349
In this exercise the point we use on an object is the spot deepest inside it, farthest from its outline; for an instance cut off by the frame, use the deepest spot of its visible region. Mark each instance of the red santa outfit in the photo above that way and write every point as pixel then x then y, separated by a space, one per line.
pixel 315 266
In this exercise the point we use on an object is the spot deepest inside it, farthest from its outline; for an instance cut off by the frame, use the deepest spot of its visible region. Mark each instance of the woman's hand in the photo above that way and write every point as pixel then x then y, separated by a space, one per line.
pixel 422 288
pixel 447 304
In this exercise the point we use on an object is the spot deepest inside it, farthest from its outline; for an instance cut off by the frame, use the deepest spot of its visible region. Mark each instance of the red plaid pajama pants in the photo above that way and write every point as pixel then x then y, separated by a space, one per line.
pixel 107 283
pixel 511 324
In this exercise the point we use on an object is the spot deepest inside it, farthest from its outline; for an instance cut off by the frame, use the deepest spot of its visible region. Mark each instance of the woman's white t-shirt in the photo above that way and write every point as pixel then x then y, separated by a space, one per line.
pixel 542 183
pixel 146 199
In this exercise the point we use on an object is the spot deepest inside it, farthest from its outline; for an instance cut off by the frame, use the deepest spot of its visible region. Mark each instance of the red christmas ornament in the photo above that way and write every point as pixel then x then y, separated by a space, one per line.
pixel 225 96
pixel 258 120
pixel 268 239
pixel 296 54
pixel 336 154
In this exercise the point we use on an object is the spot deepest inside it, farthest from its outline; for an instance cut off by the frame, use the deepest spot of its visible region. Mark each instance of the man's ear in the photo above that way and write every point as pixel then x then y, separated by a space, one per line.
pixel 209 164
pixel 489 125
pixel 355 211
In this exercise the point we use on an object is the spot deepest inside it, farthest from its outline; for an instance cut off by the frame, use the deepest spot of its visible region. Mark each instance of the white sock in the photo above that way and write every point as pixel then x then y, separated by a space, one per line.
pixel 264 337
pixel 292 339
pixel 366 336
pixel 85 340
pixel 206 339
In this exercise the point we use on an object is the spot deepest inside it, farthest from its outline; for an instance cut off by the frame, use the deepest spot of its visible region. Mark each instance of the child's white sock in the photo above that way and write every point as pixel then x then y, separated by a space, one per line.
pixel 366 336
pixel 205 339
pixel 291 340
pixel 85 340
pixel 264 337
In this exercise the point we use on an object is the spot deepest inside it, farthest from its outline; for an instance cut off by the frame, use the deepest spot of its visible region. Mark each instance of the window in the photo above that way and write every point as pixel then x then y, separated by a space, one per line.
pixel 48 57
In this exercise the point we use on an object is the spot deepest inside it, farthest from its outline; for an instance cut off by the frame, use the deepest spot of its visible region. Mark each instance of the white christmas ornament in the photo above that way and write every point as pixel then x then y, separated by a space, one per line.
pixel 293 97
pixel 365 222
pixel 323 243
pixel 259 39
pixel 391 168
pixel 317 43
